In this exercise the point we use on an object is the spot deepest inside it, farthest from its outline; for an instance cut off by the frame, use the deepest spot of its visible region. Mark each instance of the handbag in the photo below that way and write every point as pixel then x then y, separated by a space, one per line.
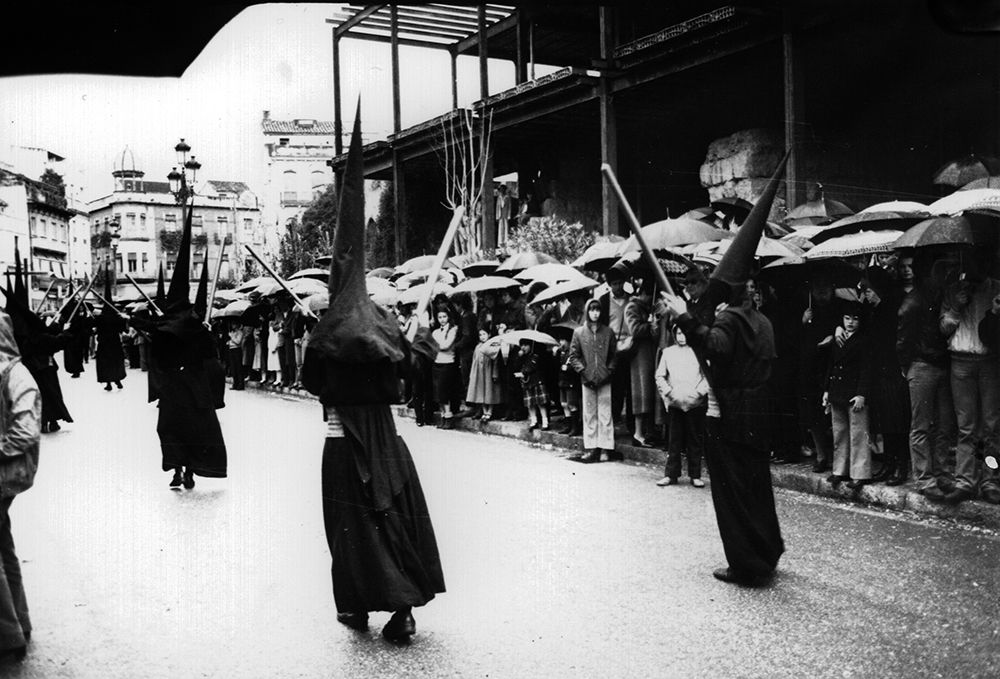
pixel 17 472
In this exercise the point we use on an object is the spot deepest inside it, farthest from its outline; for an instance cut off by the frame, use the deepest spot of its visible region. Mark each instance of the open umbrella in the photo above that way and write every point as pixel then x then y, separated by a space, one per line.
pixel 733 207
pixel 635 264
pixel 412 295
pixel 318 303
pixel 795 270
pixel 314 272
pixel 702 214
pixel 480 268
pixel 303 287
pixel 823 210
pixel 563 330
pixel 252 284
pixel 766 247
pixel 670 233
pixel 560 290
pixel 937 231
pixel 484 283
pixel 235 309
pixel 519 261
pixel 961 201
pixel 851 245
pixel 228 295
pixel 982 183
pixel 799 241
pixel 409 280
pixel 381 291
pixel 870 221
pixel 550 273
pixel 517 336
pixel 422 263
pixel 897 206
pixel 961 171
pixel 380 272
pixel 600 256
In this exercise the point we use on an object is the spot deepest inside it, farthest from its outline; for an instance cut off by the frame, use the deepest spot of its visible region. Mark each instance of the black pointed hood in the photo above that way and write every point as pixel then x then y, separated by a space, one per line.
pixel 201 297
pixel 179 292
pixel 161 295
pixel 20 289
pixel 109 310
pixel 354 329
pixel 737 263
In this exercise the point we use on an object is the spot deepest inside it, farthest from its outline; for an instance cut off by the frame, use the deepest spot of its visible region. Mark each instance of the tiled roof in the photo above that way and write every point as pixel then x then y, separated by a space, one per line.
pixel 155 187
pixel 228 187
pixel 296 127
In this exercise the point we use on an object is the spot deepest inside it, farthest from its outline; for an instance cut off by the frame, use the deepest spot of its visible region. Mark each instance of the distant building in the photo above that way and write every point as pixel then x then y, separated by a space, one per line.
pixel 297 170
pixel 147 221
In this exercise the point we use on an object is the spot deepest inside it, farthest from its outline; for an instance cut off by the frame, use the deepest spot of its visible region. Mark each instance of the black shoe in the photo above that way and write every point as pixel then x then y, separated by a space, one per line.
pixel 589 457
pixel 991 495
pixel 640 443
pixel 958 496
pixel 739 578
pixel 54 426
pixel 401 626
pixel 615 456
pixel 13 654
pixel 107 387
pixel 356 621
pixel 177 480
pixel 189 479
pixel 835 479
pixel 896 479
pixel 857 483
pixel 933 494
pixel 75 375
pixel 119 385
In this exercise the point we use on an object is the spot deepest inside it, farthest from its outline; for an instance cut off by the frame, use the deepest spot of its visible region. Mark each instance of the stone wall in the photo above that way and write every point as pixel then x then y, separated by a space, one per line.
pixel 741 164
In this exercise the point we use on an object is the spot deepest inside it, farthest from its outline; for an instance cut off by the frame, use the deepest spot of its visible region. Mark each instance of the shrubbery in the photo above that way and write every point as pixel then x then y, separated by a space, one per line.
pixel 553 236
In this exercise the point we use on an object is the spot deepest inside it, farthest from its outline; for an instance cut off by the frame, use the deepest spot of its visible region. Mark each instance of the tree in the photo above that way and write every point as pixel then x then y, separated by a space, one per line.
pixel 54 186
pixel 465 149
pixel 311 236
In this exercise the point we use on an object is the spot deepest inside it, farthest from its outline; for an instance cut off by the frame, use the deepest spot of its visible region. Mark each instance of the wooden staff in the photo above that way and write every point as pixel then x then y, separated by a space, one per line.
pixel 107 303
pixel 215 283
pixel 435 271
pixel 68 300
pixel 633 222
pixel 45 296
pixel 82 297
pixel 280 282
pixel 151 303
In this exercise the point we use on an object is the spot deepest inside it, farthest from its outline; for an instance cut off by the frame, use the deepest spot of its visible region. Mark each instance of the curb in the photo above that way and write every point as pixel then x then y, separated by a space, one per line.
pixel 796 477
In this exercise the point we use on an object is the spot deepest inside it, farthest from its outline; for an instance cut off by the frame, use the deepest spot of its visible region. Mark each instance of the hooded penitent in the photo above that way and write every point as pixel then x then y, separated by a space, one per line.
pixel 735 267
pixel 161 294
pixel 179 292
pixel 201 297
pixel 110 357
pixel 354 329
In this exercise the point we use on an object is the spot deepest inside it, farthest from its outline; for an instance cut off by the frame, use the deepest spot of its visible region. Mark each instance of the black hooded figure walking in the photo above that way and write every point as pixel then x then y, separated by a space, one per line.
pixel 79 330
pixel 184 379
pixel 110 356
pixel 381 540
pixel 38 344
pixel 736 351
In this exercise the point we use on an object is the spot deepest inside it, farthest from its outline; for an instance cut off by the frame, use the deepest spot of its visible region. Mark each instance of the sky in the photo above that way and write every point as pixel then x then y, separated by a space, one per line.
pixel 276 57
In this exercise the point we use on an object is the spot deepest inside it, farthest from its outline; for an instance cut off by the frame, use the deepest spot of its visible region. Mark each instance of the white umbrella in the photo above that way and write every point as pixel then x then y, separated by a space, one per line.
pixel 550 273
pixel 560 290
pixel 516 336
pixel 484 283
pixel 896 206
pixel 229 295
pixel 766 247
pixel 960 201
pixel 234 309
pixel 863 243
pixel 412 295
pixel 318 274
pixel 252 284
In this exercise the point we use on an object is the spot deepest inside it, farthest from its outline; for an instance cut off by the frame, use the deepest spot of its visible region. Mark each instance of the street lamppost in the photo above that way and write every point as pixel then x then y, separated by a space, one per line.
pixel 115 234
pixel 179 181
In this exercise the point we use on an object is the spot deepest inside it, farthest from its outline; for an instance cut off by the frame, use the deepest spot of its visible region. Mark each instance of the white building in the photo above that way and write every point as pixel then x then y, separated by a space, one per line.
pixel 297 153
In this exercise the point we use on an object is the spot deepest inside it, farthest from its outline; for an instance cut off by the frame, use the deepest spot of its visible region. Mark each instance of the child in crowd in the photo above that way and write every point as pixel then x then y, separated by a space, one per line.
pixel 536 399
pixel 484 377
pixel 848 383
pixel 684 391
pixel 445 375
pixel 569 390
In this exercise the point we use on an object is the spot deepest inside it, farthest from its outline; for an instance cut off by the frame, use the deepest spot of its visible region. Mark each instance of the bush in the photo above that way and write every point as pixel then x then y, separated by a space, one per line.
pixel 553 236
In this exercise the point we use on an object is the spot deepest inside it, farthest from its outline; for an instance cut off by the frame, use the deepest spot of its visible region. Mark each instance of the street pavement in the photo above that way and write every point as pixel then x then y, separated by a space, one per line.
pixel 553 569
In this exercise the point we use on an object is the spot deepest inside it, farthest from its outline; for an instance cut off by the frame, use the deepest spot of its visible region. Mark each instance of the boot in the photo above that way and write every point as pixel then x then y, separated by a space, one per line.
pixel 577 425
pixel 900 474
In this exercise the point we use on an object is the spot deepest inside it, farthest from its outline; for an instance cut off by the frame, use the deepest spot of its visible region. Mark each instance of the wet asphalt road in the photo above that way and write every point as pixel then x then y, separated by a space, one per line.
pixel 554 569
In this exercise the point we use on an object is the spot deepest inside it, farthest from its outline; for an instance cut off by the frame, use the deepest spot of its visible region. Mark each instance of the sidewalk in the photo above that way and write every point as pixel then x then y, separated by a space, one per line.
pixel 798 477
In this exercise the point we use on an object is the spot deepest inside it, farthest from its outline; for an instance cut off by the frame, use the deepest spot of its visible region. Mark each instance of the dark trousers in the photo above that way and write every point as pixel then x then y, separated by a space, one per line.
pixel 744 502
pixel 236 367
pixel 290 368
pixel 422 401
pixel 14 620
pixel 621 388
pixel 687 435
pixel 283 365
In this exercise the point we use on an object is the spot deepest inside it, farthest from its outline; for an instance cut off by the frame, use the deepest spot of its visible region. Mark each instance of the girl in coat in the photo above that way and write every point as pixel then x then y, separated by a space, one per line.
pixel 684 390
pixel 592 355
pixel 536 398
pixel 445 370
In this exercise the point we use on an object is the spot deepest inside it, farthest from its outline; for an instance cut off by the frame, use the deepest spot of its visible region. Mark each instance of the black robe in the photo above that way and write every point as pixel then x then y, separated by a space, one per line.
pixel 739 348
pixel 77 345
pixel 185 378
pixel 110 355
pixel 381 540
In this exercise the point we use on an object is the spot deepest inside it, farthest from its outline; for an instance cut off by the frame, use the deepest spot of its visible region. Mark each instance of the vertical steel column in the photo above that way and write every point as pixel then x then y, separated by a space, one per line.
pixel 609 126
pixel 398 197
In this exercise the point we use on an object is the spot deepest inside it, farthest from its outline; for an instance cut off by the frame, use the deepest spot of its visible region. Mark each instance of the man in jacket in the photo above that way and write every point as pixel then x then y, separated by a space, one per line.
pixel 20 431
pixel 922 352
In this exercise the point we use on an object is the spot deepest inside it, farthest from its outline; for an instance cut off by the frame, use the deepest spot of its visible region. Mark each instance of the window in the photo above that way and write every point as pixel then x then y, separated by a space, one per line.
pixel 247 225
pixel 118 261
pixel 45 227
pixel 131 262
pixel 142 220
pixel 283 141
pixel 197 221
pixel 130 220
pixel 223 220
pixel 170 220
pixel 145 261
